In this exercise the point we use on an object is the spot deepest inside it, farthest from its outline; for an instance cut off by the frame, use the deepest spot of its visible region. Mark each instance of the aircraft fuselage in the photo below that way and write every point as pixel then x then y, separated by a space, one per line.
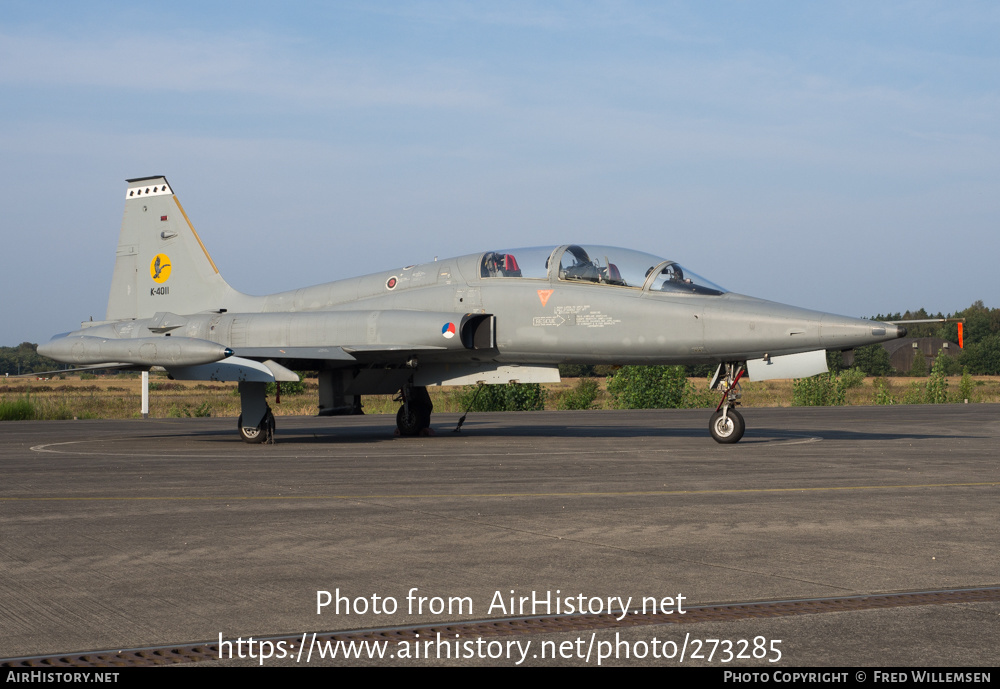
pixel 539 321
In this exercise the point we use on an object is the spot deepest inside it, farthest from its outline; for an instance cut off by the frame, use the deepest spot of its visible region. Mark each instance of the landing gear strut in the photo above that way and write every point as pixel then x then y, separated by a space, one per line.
pixel 414 417
pixel 726 424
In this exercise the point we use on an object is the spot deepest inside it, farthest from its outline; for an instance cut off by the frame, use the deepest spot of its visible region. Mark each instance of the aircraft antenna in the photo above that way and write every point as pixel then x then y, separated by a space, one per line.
pixel 458 428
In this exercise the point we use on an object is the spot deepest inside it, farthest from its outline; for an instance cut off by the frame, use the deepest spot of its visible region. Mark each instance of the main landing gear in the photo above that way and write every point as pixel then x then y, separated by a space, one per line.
pixel 256 422
pixel 414 417
pixel 726 424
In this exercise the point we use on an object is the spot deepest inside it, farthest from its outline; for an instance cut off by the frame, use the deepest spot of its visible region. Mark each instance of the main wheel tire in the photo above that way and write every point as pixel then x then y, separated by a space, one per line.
pixel 411 424
pixel 727 429
pixel 250 435
pixel 260 433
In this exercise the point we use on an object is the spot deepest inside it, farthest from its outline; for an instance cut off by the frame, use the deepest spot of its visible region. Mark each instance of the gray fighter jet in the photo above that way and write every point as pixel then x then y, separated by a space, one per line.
pixel 494 317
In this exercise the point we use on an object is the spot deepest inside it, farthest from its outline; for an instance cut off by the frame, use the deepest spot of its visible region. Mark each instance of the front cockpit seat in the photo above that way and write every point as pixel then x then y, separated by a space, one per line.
pixel 510 268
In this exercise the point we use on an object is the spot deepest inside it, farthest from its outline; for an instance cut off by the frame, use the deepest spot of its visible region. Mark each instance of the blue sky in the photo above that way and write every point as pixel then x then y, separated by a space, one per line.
pixel 837 156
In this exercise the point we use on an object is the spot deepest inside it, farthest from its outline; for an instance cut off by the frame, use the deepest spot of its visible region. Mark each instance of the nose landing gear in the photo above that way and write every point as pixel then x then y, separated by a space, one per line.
pixel 726 424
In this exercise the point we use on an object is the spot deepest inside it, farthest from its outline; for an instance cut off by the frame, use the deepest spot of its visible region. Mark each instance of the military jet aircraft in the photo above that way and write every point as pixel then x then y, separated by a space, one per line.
pixel 493 317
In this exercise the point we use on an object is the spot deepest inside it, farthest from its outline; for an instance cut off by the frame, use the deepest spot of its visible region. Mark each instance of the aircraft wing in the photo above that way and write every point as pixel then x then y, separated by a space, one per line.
pixel 311 353
pixel 392 348
pixel 319 358
pixel 344 353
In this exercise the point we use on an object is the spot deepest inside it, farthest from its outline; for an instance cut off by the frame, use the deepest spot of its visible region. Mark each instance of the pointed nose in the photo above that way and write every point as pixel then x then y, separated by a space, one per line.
pixel 843 332
pixel 887 331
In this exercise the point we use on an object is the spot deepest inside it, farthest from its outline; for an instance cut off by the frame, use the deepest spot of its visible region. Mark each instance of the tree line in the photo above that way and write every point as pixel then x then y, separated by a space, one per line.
pixel 24 359
pixel 980 355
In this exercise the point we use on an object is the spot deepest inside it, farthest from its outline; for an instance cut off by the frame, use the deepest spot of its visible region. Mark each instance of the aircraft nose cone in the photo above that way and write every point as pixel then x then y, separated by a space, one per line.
pixel 888 331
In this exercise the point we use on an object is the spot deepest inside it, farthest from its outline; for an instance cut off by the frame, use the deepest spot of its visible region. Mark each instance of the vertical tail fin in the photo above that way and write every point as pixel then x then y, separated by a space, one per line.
pixel 161 263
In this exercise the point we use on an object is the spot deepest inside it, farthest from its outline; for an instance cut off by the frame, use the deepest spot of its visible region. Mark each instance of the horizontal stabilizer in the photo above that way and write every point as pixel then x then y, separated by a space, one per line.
pixel 118 366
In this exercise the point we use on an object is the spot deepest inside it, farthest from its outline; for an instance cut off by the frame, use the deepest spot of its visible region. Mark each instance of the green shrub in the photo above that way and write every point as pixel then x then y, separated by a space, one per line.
pixel 882 394
pixel 59 412
pixel 852 378
pixel 914 394
pixel 288 387
pixel 950 365
pixel 580 397
pixel 697 397
pixel 965 387
pixel 937 384
pixel 17 410
pixel 509 397
pixel 818 391
pixel 827 389
pixel 648 387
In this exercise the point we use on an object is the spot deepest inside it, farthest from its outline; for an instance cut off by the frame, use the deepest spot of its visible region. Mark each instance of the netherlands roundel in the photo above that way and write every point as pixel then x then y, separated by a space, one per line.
pixel 448 330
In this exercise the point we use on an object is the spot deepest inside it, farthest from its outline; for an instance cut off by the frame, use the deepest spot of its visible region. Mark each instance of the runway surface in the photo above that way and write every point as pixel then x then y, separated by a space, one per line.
pixel 120 534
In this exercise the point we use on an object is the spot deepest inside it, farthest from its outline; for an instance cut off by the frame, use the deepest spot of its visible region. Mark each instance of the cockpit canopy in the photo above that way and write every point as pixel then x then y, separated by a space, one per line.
pixel 602 265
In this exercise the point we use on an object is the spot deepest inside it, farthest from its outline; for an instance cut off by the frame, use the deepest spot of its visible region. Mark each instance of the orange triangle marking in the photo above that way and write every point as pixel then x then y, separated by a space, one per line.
pixel 544 294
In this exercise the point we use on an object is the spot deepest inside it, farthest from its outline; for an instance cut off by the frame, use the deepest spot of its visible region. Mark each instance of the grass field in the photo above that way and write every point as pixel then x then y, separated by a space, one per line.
pixel 119 397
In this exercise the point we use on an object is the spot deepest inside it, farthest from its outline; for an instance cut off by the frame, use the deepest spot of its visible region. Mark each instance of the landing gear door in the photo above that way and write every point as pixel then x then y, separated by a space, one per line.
pixel 788 366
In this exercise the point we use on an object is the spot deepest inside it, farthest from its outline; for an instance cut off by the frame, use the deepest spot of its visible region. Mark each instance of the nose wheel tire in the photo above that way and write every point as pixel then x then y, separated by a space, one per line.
pixel 261 433
pixel 727 429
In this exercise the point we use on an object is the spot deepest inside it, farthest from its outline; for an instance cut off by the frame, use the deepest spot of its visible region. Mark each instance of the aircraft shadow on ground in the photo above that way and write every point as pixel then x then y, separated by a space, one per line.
pixel 329 434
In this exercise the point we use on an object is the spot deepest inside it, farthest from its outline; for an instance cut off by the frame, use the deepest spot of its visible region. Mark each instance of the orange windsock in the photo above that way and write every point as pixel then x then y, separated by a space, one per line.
pixel 961 338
